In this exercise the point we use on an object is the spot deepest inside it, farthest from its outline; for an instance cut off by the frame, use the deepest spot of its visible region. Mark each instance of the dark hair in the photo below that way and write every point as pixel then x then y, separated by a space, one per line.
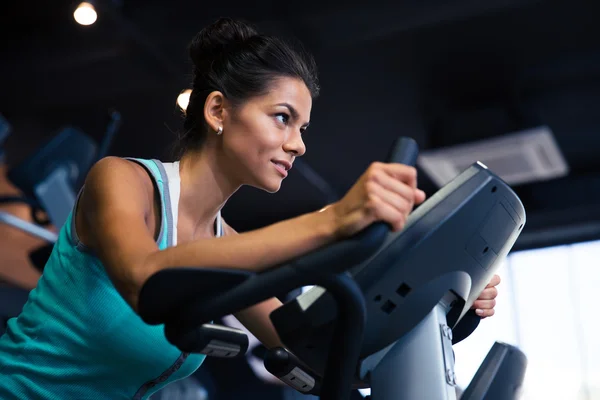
pixel 230 56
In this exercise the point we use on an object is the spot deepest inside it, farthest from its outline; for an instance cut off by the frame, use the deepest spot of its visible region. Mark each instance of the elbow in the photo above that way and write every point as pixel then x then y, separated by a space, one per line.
pixel 130 284
pixel 130 290
pixel 139 278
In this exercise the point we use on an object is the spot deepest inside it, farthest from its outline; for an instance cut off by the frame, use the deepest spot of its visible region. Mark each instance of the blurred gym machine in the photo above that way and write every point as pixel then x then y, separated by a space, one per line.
pixel 48 180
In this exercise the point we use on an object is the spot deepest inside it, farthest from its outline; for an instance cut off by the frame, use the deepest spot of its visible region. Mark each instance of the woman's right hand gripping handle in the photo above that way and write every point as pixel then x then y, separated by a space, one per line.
pixel 385 192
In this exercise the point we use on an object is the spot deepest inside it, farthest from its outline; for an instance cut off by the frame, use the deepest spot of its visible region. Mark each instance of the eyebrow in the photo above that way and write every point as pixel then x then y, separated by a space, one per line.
pixel 293 111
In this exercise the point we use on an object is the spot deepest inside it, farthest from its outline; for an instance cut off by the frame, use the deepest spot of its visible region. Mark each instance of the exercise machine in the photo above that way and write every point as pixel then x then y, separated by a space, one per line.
pixel 500 376
pixel 384 306
pixel 50 178
pixel 416 287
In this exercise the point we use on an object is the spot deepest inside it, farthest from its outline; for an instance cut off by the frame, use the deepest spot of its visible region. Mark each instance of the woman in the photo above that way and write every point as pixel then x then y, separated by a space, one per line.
pixel 79 335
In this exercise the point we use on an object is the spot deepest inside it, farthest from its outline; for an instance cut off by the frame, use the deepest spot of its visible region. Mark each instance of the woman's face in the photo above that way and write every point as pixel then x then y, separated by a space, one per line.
pixel 262 137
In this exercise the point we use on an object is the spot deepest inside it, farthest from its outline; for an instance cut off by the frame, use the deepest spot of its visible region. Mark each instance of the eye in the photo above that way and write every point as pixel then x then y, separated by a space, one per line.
pixel 283 118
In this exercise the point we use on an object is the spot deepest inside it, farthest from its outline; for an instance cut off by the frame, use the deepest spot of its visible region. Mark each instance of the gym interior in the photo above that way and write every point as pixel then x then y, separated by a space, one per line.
pixel 497 105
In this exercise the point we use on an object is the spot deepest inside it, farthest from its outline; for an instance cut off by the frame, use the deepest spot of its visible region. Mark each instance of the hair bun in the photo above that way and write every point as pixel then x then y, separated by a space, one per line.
pixel 216 37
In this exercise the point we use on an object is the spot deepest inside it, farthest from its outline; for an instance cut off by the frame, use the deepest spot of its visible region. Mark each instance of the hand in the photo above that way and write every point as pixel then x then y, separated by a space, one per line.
pixel 485 303
pixel 385 192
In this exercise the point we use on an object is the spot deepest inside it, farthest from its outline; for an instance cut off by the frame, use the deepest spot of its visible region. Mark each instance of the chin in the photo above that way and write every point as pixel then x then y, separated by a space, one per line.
pixel 271 186
pixel 268 181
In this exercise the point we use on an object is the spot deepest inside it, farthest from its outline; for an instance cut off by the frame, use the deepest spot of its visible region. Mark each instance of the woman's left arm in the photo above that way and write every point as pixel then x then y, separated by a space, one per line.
pixel 256 318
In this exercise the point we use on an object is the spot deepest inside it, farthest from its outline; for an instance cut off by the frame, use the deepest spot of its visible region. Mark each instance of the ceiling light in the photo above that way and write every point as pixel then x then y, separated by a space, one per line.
pixel 85 14
pixel 184 99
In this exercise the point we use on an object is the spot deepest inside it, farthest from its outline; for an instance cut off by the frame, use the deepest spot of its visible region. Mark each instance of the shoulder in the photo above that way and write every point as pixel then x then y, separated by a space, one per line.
pixel 117 181
pixel 116 168
pixel 117 196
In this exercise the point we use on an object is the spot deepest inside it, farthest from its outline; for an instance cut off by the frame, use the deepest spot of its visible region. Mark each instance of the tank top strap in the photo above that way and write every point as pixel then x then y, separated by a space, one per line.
pixel 157 172
pixel 219 229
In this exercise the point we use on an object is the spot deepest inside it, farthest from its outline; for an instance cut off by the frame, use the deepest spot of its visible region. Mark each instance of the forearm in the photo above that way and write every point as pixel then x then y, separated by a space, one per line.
pixel 256 250
pixel 256 320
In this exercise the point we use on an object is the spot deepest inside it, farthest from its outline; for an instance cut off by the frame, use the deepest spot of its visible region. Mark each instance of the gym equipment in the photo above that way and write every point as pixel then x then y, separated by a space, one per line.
pixel 500 376
pixel 9 219
pixel 50 178
pixel 382 313
pixel 28 227
pixel 418 286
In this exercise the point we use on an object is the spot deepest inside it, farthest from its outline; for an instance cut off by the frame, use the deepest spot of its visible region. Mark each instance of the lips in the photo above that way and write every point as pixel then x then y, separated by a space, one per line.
pixel 282 166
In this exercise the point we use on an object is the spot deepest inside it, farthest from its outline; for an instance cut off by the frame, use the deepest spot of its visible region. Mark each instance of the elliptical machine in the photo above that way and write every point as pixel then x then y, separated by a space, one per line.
pixel 50 178
pixel 385 304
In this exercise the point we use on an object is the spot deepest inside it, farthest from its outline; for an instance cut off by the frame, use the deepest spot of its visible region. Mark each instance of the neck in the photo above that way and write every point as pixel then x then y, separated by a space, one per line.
pixel 205 187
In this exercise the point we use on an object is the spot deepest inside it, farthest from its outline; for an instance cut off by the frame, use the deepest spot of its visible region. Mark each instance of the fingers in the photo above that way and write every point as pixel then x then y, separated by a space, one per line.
pixel 383 211
pixel 408 175
pixel 495 281
pixel 401 172
pixel 389 182
pixel 484 304
pixel 385 192
pixel 488 293
pixel 397 178
pixel 485 313
pixel 419 196
pixel 391 191
pixel 484 308
pixel 390 199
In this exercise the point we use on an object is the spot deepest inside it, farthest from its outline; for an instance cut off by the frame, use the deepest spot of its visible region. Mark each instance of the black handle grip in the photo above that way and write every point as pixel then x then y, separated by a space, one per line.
pixel 404 150
pixel 287 367
pixel 212 340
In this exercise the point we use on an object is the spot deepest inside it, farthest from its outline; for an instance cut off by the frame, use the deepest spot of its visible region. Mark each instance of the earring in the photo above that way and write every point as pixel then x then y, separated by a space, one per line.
pixel 220 130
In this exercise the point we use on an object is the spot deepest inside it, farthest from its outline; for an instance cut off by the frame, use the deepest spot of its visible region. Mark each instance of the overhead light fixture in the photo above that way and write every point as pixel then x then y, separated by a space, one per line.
pixel 184 99
pixel 526 156
pixel 85 14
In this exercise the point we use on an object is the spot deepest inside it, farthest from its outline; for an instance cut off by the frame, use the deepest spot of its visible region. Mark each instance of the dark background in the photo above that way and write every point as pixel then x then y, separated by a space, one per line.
pixel 441 72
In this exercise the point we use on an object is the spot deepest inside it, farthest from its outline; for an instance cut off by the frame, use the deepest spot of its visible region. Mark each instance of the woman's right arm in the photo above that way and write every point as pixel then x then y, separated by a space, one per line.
pixel 116 203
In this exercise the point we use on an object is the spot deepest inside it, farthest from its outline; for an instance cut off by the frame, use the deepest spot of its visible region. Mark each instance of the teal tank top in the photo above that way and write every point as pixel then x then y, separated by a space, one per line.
pixel 77 338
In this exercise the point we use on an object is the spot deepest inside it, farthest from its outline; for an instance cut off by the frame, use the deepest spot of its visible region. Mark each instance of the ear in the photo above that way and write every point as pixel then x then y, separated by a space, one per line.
pixel 214 110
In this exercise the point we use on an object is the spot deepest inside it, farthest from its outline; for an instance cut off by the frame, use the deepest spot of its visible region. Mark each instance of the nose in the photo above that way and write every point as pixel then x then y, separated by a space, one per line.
pixel 295 145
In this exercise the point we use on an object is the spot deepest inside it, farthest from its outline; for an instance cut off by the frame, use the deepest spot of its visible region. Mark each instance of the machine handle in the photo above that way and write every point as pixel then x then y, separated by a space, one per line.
pixel 290 370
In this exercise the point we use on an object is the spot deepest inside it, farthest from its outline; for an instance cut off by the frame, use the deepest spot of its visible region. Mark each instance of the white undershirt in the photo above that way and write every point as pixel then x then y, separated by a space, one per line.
pixel 172 170
pixel 174 179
